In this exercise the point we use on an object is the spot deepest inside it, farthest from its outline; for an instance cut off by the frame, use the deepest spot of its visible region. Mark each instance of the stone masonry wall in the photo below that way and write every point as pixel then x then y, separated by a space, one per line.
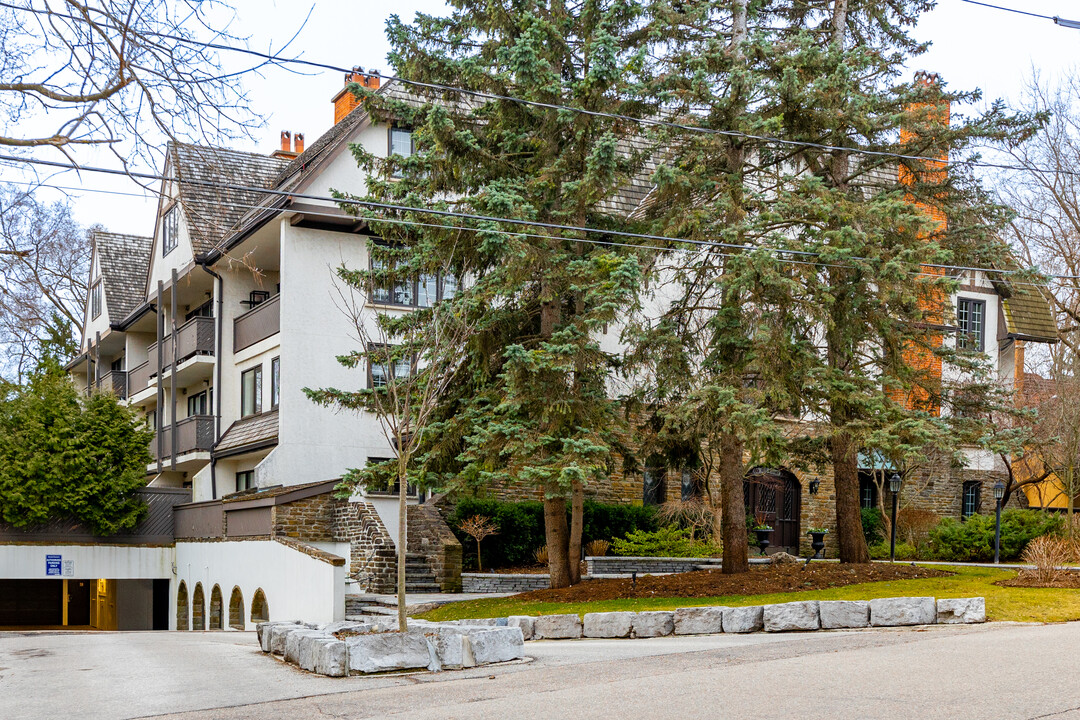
pixel 310 519
pixel 430 536
pixel 503 583
pixel 373 556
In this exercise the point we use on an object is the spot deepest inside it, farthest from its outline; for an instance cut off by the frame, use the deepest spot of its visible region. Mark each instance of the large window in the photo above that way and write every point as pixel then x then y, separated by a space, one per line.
pixel 198 404
pixel 971 318
pixel 275 382
pixel 401 143
pixel 245 480
pixel 867 492
pixel 95 300
pixel 653 481
pixel 379 377
pixel 423 291
pixel 970 502
pixel 170 228
pixel 251 391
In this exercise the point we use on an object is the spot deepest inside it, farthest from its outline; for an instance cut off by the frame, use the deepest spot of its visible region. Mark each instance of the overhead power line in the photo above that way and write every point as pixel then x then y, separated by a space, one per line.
pixel 277 59
pixel 1072 24
pixel 489 218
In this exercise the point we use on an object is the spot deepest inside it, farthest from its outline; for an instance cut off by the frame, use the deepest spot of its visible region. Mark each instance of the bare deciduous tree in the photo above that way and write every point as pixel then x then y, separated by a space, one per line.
pixel 44 270
pixel 120 74
pixel 478 527
pixel 410 359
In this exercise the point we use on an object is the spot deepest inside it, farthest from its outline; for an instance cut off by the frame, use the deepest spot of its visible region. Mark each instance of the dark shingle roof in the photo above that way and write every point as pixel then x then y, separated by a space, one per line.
pixel 211 211
pixel 249 431
pixel 1028 314
pixel 124 261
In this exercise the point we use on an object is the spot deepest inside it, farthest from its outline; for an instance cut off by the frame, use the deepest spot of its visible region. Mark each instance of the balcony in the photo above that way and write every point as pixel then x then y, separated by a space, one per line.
pixel 258 323
pixel 193 434
pixel 195 337
pixel 139 378
pixel 114 381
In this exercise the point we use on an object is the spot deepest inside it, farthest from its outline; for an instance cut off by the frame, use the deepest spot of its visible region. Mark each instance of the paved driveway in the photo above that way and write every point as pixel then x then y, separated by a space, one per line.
pixel 989 671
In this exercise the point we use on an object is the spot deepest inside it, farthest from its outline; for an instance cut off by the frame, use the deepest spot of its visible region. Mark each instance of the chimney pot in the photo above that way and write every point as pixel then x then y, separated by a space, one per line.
pixel 286 144
pixel 298 143
pixel 344 101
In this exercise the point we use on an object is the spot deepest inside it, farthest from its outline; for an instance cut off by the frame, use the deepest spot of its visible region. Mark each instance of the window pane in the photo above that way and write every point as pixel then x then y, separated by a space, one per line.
pixel 403 293
pixel 95 300
pixel 378 375
pixel 251 391
pixel 400 142
pixel 427 290
pixel 449 287
pixel 401 369
pixel 275 382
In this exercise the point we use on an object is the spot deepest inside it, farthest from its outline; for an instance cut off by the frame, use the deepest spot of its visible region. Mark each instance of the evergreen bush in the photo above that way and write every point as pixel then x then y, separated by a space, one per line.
pixel 668 541
pixel 972 540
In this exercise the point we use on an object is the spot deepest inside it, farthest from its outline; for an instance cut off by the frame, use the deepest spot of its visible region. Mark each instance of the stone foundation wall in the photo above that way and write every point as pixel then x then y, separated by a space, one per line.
pixel 430 536
pixel 614 565
pixel 310 519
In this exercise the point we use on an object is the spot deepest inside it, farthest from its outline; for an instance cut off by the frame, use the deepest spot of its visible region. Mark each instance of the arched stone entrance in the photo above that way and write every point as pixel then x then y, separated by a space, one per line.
pixel 260 611
pixel 216 617
pixel 182 607
pixel 236 609
pixel 198 608
pixel 774 497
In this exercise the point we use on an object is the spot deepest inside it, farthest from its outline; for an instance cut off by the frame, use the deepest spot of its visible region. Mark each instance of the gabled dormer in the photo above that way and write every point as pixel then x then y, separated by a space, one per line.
pixel 118 266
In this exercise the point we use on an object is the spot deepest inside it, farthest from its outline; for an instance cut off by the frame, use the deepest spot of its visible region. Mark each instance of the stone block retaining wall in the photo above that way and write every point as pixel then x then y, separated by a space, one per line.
pixel 503 582
pixel 614 565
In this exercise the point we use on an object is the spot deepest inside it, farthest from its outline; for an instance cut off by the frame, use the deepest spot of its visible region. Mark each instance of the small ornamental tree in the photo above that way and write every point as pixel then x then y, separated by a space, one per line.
pixel 67 457
pixel 478 527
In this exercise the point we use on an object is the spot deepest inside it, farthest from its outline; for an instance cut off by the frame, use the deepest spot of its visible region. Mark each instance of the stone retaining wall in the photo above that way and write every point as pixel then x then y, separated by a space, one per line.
pixel 614 565
pixel 503 582
pixel 430 536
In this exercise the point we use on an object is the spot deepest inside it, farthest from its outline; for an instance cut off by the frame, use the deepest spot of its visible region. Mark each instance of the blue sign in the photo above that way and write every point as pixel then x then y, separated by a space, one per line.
pixel 52 564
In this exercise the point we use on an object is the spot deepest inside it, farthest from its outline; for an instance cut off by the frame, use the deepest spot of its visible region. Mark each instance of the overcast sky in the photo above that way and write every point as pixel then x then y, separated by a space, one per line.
pixel 973 47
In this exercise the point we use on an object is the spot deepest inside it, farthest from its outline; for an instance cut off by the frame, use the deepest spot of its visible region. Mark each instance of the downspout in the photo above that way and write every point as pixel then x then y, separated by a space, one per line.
pixel 219 316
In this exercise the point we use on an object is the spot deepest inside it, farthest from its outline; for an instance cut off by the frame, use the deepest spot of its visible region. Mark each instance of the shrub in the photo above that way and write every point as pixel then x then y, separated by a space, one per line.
pixel 904 551
pixel 914 525
pixel 597 548
pixel 666 542
pixel 873 526
pixel 521 527
pixel 1047 554
pixel 973 539
pixel 541 555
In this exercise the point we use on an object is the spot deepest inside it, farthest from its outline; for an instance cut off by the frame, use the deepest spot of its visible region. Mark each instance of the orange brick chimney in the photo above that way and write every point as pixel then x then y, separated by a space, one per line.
pixel 291 145
pixel 345 102
pixel 920 358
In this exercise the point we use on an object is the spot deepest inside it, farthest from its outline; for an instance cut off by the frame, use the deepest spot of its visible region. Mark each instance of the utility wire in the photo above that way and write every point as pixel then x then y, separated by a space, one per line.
pixel 277 59
pixel 489 218
pixel 1071 24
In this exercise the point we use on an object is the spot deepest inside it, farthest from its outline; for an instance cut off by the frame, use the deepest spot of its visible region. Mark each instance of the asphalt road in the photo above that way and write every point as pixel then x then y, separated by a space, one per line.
pixel 988 671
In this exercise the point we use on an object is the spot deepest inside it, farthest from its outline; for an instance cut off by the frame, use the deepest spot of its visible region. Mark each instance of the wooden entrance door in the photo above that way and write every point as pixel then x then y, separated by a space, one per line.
pixel 775 499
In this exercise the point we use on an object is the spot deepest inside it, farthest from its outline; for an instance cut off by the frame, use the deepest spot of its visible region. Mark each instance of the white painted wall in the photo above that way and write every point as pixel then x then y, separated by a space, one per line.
pixel 115 562
pixel 297 586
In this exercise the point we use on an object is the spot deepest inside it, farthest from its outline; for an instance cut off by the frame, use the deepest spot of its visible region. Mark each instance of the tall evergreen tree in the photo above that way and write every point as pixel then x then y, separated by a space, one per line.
pixel 532 404
pixel 876 224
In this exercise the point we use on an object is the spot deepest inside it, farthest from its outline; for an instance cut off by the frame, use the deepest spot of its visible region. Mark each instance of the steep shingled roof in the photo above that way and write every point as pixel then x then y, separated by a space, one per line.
pixel 1028 314
pixel 212 211
pixel 254 430
pixel 124 261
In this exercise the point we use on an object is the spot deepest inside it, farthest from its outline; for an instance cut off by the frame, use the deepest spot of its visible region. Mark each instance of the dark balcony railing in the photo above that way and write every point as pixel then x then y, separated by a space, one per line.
pixel 114 381
pixel 193 434
pixel 195 337
pixel 139 378
pixel 258 323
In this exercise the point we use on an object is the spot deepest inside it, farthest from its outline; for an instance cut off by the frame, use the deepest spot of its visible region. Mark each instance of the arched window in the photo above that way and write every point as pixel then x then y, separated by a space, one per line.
pixel 236 609
pixel 260 611
pixel 215 609
pixel 653 486
pixel 182 607
pixel 198 608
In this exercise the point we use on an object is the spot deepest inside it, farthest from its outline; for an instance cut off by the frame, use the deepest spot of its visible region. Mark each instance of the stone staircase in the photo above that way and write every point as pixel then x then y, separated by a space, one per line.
pixel 419 577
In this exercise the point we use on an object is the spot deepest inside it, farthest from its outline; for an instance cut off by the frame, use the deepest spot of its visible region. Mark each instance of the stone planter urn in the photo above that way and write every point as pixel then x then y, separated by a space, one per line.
pixel 763 538
pixel 817 541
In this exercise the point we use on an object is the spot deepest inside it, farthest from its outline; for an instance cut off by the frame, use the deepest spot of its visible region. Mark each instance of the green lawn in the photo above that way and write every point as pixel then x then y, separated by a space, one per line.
pixel 1002 603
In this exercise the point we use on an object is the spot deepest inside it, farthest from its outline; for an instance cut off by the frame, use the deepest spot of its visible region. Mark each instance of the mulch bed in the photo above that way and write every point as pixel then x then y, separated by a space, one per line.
pixel 1064 579
pixel 711 583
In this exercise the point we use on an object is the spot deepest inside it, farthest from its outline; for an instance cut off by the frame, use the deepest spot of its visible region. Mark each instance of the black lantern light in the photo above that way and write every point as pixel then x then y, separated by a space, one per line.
pixel 999 493
pixel 894 487
pixel 815 485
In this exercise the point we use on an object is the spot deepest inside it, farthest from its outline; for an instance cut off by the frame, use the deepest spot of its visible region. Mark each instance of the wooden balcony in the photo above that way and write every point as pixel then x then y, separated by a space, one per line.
pixel 139 378
pixel 193 434
pixel 195 337
pixel 258 323
pixel 114 381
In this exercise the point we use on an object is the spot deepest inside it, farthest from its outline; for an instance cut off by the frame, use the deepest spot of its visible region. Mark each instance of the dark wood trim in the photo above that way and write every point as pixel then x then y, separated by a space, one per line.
pixel 172 375
pixel 160 398
pixel 244 449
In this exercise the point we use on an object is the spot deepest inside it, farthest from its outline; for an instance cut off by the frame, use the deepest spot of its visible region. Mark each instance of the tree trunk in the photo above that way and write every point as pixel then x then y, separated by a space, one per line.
pixel 577 520
pixel 733 506
pixel 555 532
pixel 403 547
pixel 849 531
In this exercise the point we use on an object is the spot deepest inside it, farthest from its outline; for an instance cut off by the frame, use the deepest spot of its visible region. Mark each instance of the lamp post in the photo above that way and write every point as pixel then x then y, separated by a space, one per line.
pixel 894 488
pixel 999 492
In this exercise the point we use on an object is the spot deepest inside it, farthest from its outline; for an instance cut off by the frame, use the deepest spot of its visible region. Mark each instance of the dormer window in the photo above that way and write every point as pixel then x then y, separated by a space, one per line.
pixel 170 228
pixel 95 300
pixel 971 318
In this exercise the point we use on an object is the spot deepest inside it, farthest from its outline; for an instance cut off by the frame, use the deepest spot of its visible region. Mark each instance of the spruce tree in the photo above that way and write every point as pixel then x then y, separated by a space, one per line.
pixel 532 404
